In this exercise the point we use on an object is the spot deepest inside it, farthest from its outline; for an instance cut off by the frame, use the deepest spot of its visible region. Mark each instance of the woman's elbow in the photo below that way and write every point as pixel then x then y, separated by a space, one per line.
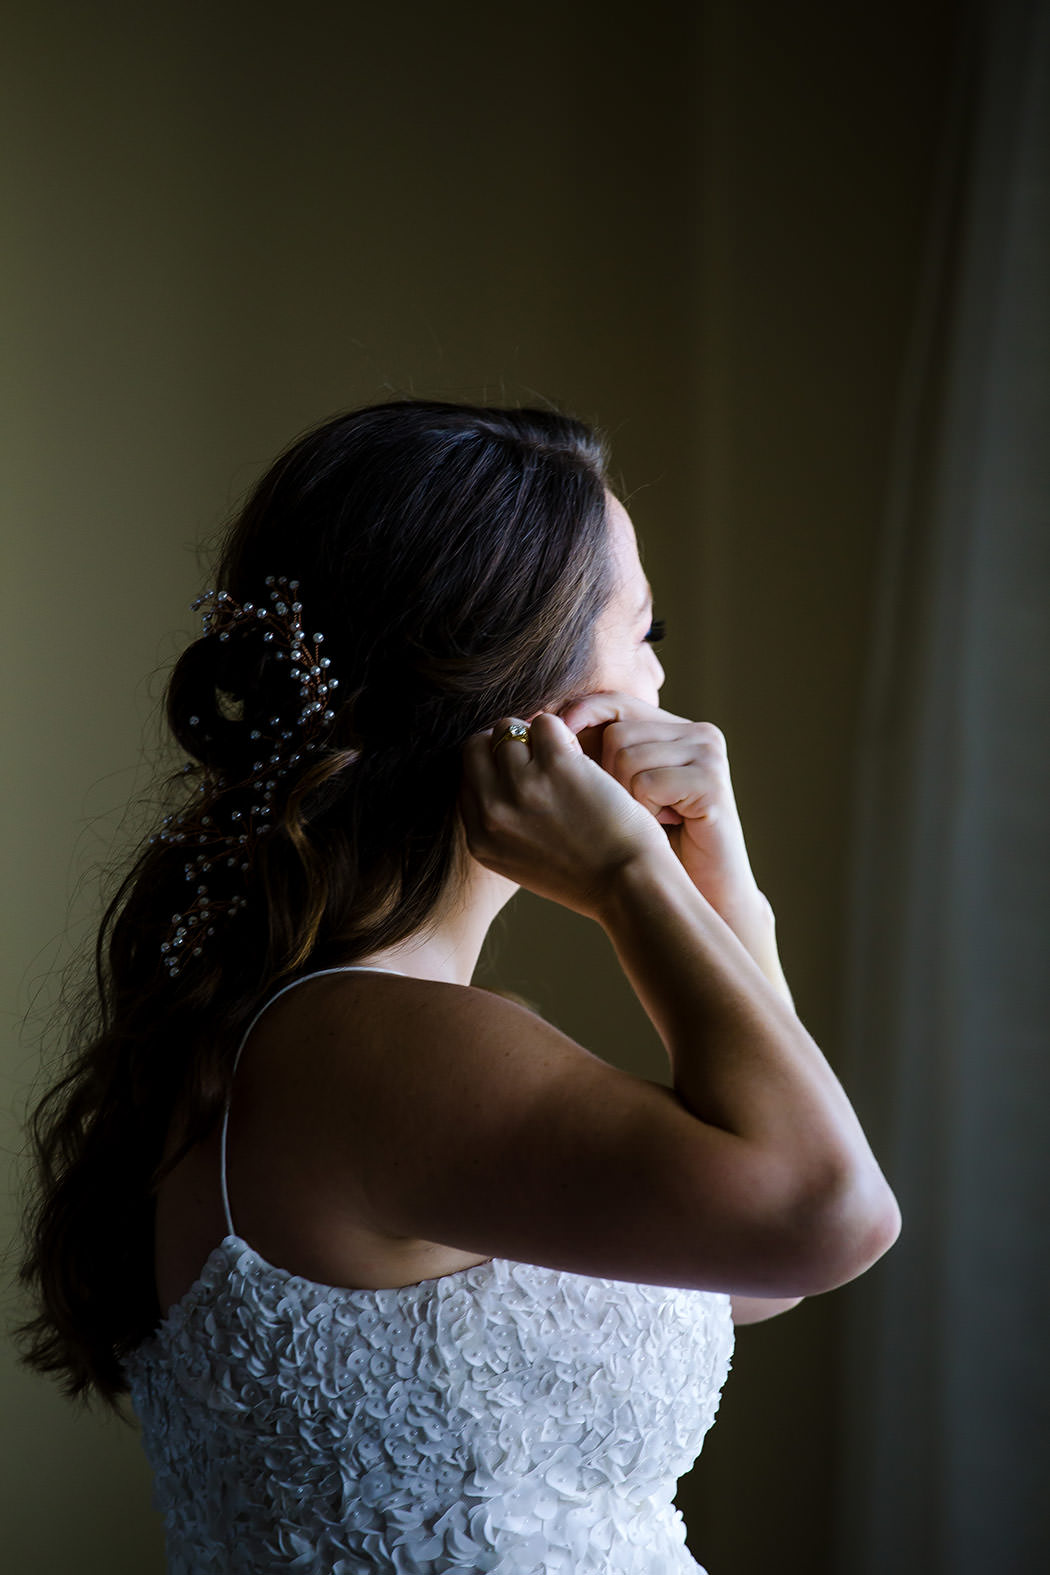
pixel 851 1230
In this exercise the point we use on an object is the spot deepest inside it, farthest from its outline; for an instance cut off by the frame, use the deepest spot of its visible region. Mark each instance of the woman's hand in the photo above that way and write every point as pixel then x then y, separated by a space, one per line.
pixel 679 771
pixel 543 815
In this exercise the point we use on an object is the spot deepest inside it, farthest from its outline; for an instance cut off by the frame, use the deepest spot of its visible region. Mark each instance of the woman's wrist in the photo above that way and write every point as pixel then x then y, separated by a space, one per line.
pixel 754 924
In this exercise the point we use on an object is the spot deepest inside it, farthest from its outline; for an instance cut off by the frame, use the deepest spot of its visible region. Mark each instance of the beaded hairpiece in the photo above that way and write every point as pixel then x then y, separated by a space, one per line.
pixel 196 826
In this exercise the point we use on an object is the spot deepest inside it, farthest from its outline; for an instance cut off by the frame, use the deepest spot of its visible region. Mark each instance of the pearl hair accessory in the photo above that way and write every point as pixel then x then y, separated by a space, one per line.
pixel 196 826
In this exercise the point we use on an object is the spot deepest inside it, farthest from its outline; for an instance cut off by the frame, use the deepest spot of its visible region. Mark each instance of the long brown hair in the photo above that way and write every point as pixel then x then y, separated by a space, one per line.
pixel 456 559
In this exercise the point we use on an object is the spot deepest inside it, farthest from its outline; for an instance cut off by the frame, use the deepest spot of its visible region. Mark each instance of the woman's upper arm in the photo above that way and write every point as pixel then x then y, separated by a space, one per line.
pixel 471 1121
pixel 757 1309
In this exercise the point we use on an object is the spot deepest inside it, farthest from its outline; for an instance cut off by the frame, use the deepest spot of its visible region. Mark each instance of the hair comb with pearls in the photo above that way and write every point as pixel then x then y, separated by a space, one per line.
pixel 197 827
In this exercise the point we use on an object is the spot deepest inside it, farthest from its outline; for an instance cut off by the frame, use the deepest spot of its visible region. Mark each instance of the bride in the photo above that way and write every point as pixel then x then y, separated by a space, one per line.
pixel 396 1275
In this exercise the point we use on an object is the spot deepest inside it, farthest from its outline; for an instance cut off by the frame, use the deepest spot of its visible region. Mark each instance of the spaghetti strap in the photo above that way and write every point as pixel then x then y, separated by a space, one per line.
pixel 343 968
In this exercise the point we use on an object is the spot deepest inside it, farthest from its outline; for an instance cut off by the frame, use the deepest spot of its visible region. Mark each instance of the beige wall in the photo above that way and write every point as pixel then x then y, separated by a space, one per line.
pixel 695 228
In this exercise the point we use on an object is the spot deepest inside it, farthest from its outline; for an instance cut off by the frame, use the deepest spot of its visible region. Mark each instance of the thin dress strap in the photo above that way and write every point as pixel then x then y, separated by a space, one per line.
pixel 345 968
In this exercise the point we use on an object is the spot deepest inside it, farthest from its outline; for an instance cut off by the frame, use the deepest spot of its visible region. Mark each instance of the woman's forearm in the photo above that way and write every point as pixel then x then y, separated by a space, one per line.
pixel 754 925
pixel 740 1057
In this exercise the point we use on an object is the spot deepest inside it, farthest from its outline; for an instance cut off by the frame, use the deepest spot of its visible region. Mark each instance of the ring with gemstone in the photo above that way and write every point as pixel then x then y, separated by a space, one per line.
pixel 516 730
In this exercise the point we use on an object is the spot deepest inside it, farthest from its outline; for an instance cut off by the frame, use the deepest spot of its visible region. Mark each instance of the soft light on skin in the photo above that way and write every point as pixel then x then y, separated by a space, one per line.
pixel 623 661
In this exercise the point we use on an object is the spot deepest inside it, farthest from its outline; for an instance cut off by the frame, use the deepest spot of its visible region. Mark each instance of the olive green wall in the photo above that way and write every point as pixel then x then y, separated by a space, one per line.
pixel 697 226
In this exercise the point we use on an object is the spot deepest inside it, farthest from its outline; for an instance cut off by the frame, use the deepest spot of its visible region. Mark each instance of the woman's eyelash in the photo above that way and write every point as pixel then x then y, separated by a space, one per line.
pixel 657 630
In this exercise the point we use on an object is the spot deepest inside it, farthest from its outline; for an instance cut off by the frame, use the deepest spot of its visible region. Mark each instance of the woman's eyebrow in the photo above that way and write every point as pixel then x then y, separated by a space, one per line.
pixel 647 598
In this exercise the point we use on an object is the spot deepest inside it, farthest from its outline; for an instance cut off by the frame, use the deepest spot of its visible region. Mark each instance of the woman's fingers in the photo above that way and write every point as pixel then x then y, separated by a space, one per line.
pixel 493 769
pixel 611 705
pixel 662 777
pixel 640 743
pixel 675 770
pixel 538 812
pixel 678 770
pixel 547 737
pixel 630 748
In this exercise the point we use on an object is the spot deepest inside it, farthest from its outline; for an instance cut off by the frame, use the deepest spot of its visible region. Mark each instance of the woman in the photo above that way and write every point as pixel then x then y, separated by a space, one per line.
pixel 427 1286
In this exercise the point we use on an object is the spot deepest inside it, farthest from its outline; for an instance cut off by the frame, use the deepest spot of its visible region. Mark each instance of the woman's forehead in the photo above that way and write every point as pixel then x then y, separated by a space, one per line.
pixel 623 541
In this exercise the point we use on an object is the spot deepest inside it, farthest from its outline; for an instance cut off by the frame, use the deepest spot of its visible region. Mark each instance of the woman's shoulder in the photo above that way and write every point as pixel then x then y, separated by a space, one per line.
pixel 427 1111
pixel 350 1055
pixel 339 1018
pixel 308 1087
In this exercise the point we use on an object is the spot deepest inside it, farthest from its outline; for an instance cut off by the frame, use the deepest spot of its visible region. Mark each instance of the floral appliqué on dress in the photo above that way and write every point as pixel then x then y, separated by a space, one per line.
pixel 506 1418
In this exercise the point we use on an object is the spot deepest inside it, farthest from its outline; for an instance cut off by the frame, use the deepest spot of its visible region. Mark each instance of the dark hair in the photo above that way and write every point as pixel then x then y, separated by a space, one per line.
pixel 456 559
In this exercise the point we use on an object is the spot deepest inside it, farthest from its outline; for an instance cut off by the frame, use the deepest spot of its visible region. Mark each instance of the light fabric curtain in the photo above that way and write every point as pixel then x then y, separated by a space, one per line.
pixel 946 1372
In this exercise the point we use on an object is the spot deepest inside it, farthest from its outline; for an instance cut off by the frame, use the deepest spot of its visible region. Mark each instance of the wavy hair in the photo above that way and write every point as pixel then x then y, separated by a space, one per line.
pixel 456 558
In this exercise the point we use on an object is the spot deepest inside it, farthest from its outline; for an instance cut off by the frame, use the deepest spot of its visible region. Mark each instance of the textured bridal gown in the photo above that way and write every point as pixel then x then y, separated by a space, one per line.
pixel 506 1418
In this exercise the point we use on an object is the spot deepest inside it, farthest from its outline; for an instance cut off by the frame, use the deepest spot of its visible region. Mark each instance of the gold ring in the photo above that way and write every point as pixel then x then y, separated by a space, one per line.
pixel 516 730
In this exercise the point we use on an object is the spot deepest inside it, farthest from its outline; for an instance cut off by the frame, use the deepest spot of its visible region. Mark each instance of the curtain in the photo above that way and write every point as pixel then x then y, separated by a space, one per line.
pixel 945 1379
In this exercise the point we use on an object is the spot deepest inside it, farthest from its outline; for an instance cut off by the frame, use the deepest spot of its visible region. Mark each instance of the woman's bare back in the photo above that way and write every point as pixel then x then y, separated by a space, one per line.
pixel 278 1200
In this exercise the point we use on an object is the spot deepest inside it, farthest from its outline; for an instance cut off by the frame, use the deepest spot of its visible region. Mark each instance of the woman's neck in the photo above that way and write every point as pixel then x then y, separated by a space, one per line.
pixel 449 951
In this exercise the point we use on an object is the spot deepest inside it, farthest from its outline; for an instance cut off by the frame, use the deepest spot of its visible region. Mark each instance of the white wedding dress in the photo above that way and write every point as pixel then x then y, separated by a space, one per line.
pixel 507 1418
